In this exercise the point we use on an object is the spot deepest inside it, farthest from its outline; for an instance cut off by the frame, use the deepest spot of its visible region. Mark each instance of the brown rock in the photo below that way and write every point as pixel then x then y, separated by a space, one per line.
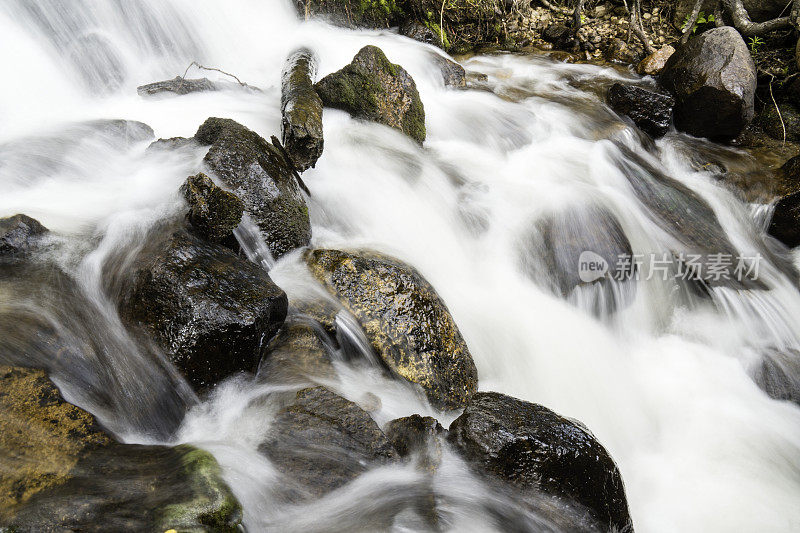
pixel 654 63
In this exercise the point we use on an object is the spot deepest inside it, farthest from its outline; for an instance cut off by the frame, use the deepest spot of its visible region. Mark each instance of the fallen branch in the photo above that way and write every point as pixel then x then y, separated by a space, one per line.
pixel 557 9
pixel 198 65
pixel 690 21
pixel 576 15
pixel 636 26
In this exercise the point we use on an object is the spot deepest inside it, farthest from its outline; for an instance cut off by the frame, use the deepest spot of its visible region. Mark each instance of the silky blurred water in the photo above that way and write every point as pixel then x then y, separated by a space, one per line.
pixel 664 382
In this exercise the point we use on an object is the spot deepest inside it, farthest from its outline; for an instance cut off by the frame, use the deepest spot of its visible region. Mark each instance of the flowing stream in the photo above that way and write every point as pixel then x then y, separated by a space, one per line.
pixel 665 382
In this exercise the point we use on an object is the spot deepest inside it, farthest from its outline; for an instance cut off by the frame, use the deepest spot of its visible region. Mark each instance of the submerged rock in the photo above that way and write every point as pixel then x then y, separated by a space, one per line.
pixel 178 86
pixel 575 235
pixel 373 88
pixel 61 471
pixel 778 374
pixel 301 110
pixel 417 435
pixel 785 222
pixel 209 309
pixel 19 234
pixel 649 110
pixel 535 449
pixel 713 79
pixel 322 441
pixel 259 174
pixel 213 212
pixel 405 320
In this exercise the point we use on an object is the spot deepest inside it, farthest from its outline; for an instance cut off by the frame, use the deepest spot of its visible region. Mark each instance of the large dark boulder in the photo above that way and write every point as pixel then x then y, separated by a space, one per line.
pixel 19 234
pixel 209 309
pixel 785 222
pixel 535 449
pixel 649 110
pixel 301 110
pixel 373 88
pixel 213 212
pixel 259 174
pixel 405 320
pixel 62 472
pixel 322 441
pixel 713 79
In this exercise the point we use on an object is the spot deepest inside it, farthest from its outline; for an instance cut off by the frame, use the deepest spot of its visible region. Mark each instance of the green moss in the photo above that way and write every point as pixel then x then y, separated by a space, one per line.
pixel 213 505
pixel 435 28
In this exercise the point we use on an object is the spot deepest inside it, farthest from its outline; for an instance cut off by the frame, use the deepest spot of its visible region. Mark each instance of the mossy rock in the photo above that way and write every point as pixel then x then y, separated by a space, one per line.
pixel 213 212
pixel 62 471
pixel 262 177
pixel 373 88
pixel 353 13
pixel 405 320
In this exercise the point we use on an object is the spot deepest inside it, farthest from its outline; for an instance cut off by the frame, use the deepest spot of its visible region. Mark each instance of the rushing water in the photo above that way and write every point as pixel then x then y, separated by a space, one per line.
pixel 665 383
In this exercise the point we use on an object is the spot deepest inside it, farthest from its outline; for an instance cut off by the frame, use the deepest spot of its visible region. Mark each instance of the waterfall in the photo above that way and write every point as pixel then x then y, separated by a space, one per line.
pixel 665 379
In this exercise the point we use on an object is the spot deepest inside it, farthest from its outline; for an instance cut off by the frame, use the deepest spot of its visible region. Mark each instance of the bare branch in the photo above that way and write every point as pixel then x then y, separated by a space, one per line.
pixel 690 21
pixel 557 9
pixel 748 28
pixel 198 65
pixel 637 28
pixel 576 15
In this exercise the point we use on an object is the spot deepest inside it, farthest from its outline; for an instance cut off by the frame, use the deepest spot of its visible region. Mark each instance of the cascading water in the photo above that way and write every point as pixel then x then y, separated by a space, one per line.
pixel 665 381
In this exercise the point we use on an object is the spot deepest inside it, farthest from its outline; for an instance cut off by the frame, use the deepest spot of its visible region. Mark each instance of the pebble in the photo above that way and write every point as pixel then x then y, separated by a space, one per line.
pixel 647 16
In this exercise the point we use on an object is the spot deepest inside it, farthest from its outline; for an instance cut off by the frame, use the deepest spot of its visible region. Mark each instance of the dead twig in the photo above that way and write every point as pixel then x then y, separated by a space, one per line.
pixel 277 144
pixel 198 65
pixel 688 28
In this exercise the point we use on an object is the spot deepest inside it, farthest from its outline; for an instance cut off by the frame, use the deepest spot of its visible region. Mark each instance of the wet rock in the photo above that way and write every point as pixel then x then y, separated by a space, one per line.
pixel 784 124
pixel 778 374
pixel 655 62
pixel 453 74
pixel 713 79
pixel 172 143
pixel 421 32
pixel 373 88
pixel 19 234
pixel 259 174
pixel 209 309
pixel 418 435
pixel 213 212
pixel 649 110
pixel 61 471
pixel 406 322
pixel 785 222
pixel 299 353
pixel 322 441
pixel 178 86
pixel 301 110
pixel 535 449
pixel 790 175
